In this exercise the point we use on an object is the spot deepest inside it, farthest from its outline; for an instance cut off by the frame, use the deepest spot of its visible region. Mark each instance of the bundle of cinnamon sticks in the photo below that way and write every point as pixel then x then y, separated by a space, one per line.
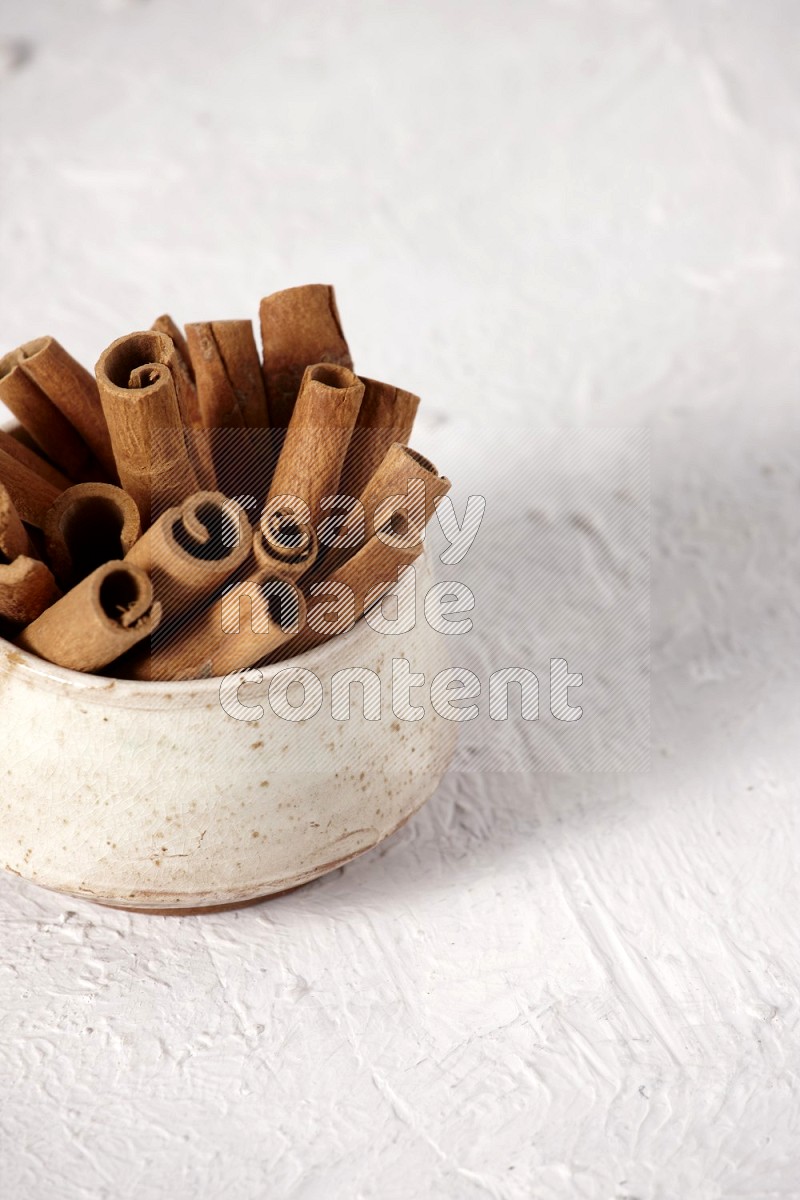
pixel 195 508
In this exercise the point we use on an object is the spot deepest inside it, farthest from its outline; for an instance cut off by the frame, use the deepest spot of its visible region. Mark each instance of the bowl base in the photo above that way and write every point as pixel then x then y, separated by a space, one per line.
pixel 200 910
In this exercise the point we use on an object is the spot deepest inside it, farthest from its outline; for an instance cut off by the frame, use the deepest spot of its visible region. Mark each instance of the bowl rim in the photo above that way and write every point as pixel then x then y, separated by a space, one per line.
pixel 38 671
pixel 40 668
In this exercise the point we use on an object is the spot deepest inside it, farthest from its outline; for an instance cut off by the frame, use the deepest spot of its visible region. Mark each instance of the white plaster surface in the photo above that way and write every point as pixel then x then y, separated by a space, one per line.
pixel 548 985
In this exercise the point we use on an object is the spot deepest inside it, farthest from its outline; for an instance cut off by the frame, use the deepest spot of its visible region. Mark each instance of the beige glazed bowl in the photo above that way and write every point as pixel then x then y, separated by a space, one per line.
pixel 150 796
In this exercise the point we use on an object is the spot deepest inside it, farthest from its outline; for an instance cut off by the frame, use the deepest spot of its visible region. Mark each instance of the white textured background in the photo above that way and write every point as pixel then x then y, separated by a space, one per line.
pixel 546 985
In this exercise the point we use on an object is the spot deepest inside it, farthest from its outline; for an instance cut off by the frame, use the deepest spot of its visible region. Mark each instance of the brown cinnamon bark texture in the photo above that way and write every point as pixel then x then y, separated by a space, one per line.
pixel 165 324
pixel 232 403
pixel 181 367
pixel 230 385
pixel 242 628
pixel 34 462
pixel 89 524
pixel 31 494
pixel 299 327
pixel 317 439
pixel 136 377
pixel 405 485
pixel 107 614
pixel 14 540
pixel 386 416
pixel 27 588
pixel 335 603
pixel 56 400
pixel 192 549
pixel 288 551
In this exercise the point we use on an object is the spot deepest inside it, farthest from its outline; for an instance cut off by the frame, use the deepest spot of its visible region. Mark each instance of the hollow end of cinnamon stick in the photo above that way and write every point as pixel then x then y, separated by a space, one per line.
pixel 150 347
pixel 191 550
pixel 310 463
pixel 88 525
pixel 96 622
pixel 131 353
pixel 277 613
pixel 285 547
pixel 137 378
pixel 331 374
pixel 212 528
pixel 125 595
pixel 407 452
pixel 399 501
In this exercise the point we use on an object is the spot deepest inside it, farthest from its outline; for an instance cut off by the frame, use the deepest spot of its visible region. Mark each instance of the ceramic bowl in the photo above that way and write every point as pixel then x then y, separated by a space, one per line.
pixel 151 796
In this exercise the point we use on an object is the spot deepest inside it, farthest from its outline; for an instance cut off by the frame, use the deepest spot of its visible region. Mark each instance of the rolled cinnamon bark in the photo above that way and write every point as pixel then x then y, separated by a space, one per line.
pixel 27 588
pixel 89 524
pixel 107 614
pixel 34 462
pixel 287 551
pixel 316 442
pixel 165 324
pixel 386 416
pixel 230 385
pixel 14 540
pixel 198 441
pixel 299 327
pixel 56 400
pixel 192 549
pixel 405 483
pixel 180 365
pixel 232 403
pixel 335 603
pixel 137 380
pixel 31 494
pixel 230 636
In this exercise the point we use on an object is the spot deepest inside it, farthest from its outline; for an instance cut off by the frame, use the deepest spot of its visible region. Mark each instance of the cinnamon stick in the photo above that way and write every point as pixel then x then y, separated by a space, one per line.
pixel 230 385
pixel 56 400
pixel 335 603
pixel 232 403
pixel 180 364
pixel 89 524
pixel 165 324
pixel 406 484
pixel 192 549
pixel 31 494
pixel 107 614
pixel 34 462
pixel 386 416
pixel 27 589
pixel 198 442
pixel 299 326
pixel 289 550
pixel 243 627
pixel 14 540
pixel 316 442
pixel 137 380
